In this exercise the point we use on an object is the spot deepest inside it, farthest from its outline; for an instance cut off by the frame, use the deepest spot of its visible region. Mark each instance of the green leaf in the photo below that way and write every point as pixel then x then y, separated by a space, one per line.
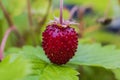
pixel 48 71
pixel 99 36
pixel 42 66
pixel 58 73
pixel 97 55
pixel 30 52
pixel 14 67
pixel 35 52
pixel 31 78
pixel 117 73
pixel 87 54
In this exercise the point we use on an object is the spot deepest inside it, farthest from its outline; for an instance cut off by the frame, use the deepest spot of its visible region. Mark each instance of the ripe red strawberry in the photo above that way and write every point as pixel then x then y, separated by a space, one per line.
pixel 59 43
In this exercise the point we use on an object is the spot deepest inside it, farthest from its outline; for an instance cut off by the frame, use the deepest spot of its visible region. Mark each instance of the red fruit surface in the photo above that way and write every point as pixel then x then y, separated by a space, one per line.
pixel 59 43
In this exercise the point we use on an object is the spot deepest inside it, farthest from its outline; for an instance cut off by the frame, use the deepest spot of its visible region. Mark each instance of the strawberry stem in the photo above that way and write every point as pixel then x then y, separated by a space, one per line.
pixel 61 11
pixel 2 46
pixel 10 22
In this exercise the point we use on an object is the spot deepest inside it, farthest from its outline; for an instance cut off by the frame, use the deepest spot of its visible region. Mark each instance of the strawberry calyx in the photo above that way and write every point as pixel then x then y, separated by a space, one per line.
pixel 65 23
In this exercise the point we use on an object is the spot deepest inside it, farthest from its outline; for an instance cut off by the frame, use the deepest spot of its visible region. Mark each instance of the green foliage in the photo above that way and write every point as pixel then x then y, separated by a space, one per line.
pixel 42 67
pixel 47 71
pixel 96 55
pixel 117 73
pixel 31 78
pixel 56 13
pixel 14 67
pixel 52 72
pixel 96 73
pixel 99 5
pixel 87 54
pixel 32 52
pixel 22 25
pixel 116 7
pixel 14 7
pixel 100 36
pixel 40 6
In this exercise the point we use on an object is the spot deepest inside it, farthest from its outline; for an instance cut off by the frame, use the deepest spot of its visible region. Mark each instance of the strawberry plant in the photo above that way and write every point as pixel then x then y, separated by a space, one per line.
pixel 51 50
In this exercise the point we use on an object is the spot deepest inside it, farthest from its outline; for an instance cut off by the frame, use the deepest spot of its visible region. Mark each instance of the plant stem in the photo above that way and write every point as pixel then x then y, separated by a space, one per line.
pixel 29 13
pixel 41 23
pixel 2 46
pixel 73 10
pixel 6 14
pixel 61 11
pixel 10 22
pixel 1 55
pixel 31 22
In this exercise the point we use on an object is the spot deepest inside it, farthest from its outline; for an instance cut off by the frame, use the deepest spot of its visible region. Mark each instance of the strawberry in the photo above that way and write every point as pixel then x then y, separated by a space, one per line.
pixel 59 43
pixel 60 40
